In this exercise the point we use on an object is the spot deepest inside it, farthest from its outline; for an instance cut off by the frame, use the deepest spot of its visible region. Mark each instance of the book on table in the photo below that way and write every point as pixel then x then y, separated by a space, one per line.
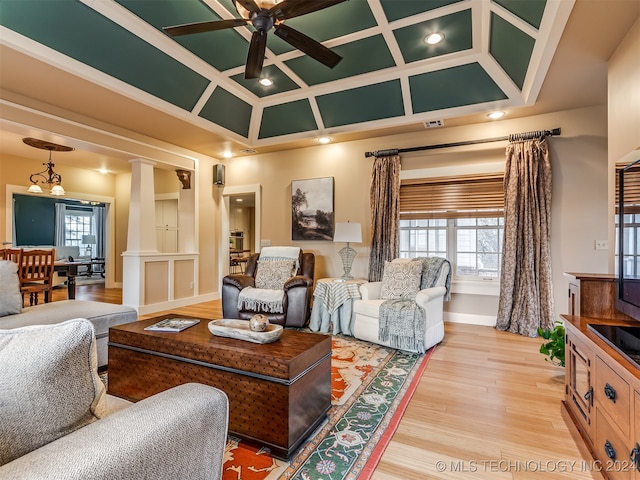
pixel 172 324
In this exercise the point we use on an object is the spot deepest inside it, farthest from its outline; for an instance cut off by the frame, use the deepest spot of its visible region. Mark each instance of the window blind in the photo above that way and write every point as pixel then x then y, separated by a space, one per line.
pixel 631 189
pixel 462 196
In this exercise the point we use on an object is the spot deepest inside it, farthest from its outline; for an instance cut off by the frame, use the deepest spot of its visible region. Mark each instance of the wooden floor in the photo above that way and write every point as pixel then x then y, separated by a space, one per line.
pixel 487 407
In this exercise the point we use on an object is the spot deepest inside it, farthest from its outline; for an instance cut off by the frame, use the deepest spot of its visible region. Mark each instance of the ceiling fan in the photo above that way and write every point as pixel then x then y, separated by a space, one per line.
pixel 264 15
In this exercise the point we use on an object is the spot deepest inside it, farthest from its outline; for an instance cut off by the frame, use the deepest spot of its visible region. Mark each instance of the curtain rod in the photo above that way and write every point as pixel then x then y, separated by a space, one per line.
pixel 512 137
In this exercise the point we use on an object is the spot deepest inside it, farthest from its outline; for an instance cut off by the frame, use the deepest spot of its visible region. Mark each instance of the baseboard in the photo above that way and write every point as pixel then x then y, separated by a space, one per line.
pixel 182 302
pixel 454 317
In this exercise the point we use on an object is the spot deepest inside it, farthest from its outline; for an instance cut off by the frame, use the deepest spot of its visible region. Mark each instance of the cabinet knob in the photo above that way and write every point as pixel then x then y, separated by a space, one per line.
pixel 635 456
pixel 589 395
pixel 609 450
pixel 610 392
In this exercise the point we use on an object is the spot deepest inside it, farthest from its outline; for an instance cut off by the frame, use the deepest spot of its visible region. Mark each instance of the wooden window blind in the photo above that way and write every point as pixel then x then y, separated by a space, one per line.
pixel 461 196
pixel 631 189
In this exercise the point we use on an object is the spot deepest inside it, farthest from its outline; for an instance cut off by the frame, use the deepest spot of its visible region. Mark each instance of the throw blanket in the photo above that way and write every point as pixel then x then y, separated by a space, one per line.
pixel 261 299
pixel 401 322
pixel 280 253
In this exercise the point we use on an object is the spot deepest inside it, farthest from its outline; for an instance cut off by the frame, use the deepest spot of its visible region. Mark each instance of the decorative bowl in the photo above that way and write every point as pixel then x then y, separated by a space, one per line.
pixel 239 329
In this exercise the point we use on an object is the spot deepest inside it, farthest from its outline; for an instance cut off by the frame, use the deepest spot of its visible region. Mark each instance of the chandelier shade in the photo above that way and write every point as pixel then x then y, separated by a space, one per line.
pixel 48 176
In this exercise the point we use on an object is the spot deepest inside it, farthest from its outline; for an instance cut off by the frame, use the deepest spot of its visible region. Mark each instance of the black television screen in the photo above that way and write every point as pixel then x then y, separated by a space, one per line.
pixel 628 211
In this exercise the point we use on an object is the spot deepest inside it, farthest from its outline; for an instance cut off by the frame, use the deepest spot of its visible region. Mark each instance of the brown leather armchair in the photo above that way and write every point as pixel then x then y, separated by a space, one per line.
pixel 298 291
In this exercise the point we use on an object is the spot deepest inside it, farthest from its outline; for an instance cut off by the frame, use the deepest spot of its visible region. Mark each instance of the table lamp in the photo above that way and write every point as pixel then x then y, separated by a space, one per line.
pixel 347 232
pixel 88 240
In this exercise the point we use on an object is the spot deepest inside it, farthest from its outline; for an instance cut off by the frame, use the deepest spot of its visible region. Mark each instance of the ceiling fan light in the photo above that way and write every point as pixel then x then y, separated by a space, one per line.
pixel 434 38
pixel 57 190
pixel 33 188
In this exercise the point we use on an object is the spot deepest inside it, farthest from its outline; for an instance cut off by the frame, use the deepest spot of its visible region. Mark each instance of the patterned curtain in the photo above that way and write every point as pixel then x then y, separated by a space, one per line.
pixel 384 197
pixel 61 210
pixel 526 300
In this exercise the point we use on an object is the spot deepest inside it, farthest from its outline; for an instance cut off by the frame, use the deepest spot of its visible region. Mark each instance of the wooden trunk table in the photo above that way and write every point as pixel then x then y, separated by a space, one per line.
pixel 278 392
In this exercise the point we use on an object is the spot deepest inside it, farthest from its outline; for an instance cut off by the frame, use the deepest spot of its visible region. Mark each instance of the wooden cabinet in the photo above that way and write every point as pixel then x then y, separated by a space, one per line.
pixel 602 399
pixel 579 390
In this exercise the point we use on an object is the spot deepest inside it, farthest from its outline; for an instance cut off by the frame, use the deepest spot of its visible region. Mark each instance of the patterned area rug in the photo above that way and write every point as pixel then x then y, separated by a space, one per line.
pixel 371 386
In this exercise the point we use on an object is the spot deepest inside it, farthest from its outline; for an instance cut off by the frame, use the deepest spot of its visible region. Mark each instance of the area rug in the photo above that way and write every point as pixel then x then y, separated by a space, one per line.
pixel 371 387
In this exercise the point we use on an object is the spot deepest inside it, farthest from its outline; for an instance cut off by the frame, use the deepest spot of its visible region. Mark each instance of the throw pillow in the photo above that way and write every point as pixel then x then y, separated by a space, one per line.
pixel 401 280
pixel 272 274
pixel 49 385
pixel 10 298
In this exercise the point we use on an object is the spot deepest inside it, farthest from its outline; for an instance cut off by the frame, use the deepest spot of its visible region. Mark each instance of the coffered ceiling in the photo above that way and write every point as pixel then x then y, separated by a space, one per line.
pixel 110 61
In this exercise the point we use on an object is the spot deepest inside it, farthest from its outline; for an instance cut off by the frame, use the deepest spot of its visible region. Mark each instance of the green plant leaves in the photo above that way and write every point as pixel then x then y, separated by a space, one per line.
pixel 554 348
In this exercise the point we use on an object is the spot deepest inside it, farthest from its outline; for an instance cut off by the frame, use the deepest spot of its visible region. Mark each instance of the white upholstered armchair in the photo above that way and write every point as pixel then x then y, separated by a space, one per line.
pixel 366 311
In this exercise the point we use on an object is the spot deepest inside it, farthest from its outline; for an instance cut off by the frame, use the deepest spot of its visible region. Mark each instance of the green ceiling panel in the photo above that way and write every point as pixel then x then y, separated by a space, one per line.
pixel 288 118
pixel 332 22
pixel 362 56
pixel 396 9
pixel 281 82
pixel 511 48
pixel 228 111
pixel 101 44
pixel 453 87
pixel 223 49
pixel 530 11
pixel 457 31
pixel 364 104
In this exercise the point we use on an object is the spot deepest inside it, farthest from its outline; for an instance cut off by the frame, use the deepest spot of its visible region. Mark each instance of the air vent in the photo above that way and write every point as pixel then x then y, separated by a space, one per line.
pixel 434 124
pixel 248 150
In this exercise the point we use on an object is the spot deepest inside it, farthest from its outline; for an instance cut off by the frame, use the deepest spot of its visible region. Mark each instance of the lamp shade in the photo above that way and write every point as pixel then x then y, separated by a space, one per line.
pixel 348 232
pixel 88 239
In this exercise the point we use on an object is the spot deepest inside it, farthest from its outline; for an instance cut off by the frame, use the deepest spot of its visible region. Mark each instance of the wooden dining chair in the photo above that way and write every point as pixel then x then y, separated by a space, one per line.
pixel 36 274
pixel 12 254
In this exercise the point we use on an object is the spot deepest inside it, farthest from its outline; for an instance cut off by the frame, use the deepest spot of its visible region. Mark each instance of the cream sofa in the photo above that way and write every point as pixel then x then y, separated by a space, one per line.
pixel 58 422
pixel 101 315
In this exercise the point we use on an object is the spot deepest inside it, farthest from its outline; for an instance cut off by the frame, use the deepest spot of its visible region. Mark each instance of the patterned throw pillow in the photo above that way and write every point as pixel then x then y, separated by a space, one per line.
pixel 49 385
pixel 401 280
pixel 272 274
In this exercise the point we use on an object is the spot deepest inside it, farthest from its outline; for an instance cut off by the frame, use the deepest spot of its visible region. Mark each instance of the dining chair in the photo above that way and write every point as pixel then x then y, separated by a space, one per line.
pixel 36 274
pixel 12 254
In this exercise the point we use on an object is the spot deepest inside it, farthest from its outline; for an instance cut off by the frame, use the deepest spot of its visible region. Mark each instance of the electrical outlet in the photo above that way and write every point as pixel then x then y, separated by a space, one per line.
pixel 191 285
pixel 602 244
pixel 265 243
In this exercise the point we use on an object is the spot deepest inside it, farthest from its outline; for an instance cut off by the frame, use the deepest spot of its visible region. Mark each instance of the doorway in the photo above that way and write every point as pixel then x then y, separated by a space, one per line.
pixel 241 226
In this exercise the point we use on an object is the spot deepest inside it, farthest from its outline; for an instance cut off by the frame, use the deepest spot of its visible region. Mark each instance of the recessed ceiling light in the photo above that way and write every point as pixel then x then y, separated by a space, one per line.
pixel 103 171
pixel 227 154
pixel 434 38
pixel 239 200
pixel 495 115
pixel 267 82
pixel 324 140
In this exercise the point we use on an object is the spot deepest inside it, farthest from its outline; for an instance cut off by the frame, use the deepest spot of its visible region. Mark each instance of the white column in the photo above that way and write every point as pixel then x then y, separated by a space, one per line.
pixel 141 234
pixel 187 219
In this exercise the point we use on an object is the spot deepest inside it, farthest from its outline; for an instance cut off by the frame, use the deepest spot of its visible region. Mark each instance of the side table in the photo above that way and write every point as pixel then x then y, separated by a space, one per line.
pixel 333 305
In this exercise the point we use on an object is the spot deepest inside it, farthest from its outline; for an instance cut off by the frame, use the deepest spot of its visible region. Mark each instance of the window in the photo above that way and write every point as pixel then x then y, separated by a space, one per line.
pixel 460 218
pixel 76 224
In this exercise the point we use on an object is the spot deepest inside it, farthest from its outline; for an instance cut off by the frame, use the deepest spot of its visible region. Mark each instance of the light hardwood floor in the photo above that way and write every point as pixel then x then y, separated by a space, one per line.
pixel 487 407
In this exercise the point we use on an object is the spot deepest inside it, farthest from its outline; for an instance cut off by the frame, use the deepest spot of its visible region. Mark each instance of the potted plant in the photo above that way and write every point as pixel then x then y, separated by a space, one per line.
pixel 553 348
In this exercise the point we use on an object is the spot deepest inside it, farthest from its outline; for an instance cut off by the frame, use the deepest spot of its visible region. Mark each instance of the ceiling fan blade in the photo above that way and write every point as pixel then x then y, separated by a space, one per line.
pixel 250 5
pixel 255 57
pixel 201 27
pixel 307 45
pixel 295 8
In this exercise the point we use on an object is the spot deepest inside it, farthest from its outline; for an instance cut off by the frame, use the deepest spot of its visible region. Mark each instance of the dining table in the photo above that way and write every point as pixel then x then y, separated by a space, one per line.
pixel 69 269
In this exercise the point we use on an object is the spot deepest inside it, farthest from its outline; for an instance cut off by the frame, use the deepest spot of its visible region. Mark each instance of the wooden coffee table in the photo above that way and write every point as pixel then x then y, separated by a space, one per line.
pixel 278 392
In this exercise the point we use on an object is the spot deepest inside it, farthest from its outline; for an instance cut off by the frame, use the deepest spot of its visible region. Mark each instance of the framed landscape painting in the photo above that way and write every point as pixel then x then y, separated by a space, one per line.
pixel 312 215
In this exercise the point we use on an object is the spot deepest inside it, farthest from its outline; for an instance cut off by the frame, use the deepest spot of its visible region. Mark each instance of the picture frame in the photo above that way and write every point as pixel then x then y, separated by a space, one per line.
pixel 312 209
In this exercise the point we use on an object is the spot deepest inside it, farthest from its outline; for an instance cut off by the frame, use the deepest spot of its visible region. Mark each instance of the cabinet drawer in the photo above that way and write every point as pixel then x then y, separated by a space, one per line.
pixel 611 450
pixel 613 394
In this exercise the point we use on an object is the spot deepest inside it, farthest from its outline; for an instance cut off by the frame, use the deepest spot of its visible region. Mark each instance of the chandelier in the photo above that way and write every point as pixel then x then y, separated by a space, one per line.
pixel 48 176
